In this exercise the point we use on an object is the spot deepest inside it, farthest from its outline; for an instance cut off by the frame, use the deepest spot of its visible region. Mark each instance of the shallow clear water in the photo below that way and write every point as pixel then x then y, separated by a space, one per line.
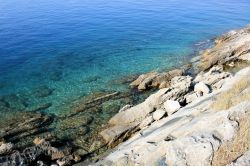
pixel 76 47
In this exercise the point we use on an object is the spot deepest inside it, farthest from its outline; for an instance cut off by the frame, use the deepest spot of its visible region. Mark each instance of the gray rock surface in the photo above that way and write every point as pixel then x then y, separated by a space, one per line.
pixel 244 160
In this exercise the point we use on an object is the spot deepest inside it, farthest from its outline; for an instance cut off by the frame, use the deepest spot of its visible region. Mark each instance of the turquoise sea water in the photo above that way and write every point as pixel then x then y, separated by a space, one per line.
pixel 72 48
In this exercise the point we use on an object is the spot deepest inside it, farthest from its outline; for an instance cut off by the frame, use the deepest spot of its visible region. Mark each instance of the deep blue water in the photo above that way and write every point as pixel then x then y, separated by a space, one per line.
pixel 79 46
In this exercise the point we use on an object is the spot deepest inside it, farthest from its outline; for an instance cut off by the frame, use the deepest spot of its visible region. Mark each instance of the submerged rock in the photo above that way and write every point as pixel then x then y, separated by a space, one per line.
pixel 14 102
pixel 91 79
pixel 56 76
pixel 17 125
pixel 40 107
pixel 43 91
pixel 96 145
pixel 75 121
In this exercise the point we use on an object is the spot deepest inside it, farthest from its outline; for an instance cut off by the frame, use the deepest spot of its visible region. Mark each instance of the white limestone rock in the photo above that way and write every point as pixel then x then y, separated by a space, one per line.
pixel 180 86
pixel 214 77
pixel 146 122
pixel 171 106
pixel 245 57
pixel 191 97
pixel 196 150
pixel 140 111
pixel 158 114
pixel 181 82
pixel 201 88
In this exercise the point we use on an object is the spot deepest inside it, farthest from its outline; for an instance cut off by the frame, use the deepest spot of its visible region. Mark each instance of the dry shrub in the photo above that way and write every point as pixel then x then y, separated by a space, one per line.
pixel 238 93
pixel 230 151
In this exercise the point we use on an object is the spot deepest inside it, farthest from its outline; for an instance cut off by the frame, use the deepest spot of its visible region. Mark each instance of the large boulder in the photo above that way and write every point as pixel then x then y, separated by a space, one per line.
pixel 143 81
pixel 140 111
pixel 180 86
pixel 171 106
pixel 155 79
pixel 201 88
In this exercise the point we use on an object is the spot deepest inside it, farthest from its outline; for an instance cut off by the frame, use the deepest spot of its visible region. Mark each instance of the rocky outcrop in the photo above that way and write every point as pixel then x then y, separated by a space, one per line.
pixel 179 86
pixel 155 79
pixel 214 78
pixel 234 45
pixel 180 138
pixel 165 104
pixel 177 123
pixel 162 103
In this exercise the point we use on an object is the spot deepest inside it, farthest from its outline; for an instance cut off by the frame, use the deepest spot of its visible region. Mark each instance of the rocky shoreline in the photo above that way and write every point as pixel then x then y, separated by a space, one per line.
pixel 178 125
pixel 171 127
